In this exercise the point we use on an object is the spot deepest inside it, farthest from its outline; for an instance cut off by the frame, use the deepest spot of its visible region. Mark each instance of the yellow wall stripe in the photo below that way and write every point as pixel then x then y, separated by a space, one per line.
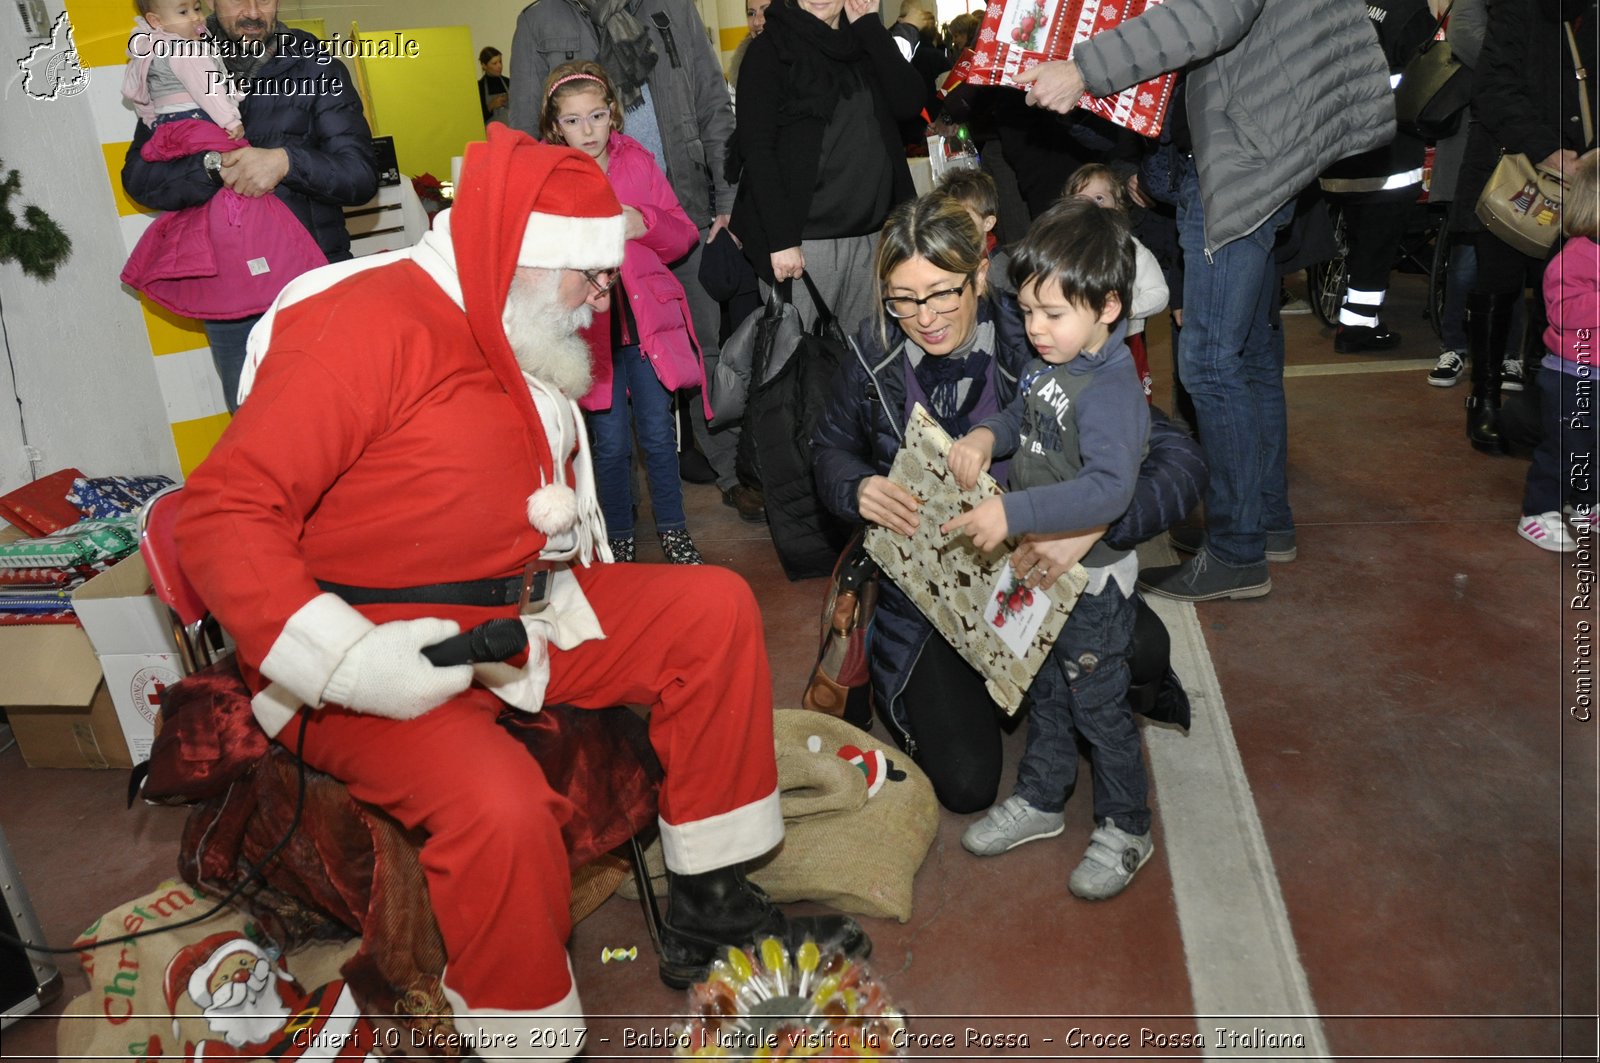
pixel 100 30
pixel 732 35
pixel 170 333
pixel 196 438
pixel 114 154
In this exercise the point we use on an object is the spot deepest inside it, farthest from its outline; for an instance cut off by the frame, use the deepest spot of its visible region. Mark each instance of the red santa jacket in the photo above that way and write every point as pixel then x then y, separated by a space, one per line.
pixel 405 463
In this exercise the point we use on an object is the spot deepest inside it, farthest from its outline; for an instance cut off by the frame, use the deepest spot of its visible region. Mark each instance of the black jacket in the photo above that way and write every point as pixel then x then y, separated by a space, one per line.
pixel 860 433
pixel 780 159
pixel 324 131
pixel 1524 96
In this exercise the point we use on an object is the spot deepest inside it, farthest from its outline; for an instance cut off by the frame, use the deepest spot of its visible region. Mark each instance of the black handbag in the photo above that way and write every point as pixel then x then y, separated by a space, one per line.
pixel 1434 90
pixel 781 412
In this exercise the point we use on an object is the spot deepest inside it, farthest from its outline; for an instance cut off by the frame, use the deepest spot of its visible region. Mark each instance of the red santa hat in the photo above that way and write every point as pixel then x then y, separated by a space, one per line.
pixel 523 203
pixel 191 969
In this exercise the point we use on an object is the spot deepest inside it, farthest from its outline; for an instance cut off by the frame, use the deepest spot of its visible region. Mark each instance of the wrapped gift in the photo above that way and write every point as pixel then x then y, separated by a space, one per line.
pixel 1018 35
pixel 85 543
pixel 41 507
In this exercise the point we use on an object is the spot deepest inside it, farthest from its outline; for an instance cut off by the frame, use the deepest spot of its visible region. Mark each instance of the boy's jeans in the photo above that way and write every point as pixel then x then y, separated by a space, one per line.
pixel 1230 360
pixel 1082 689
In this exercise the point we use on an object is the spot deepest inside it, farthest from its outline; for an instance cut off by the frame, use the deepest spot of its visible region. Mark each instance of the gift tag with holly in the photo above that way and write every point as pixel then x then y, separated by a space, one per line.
pixel 1015 611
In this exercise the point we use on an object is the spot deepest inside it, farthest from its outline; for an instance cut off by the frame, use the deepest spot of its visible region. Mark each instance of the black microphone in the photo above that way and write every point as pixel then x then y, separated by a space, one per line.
pixel 493 641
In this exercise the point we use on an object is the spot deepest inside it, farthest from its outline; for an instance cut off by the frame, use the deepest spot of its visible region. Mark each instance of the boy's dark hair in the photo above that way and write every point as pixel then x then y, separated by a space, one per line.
pixel 144 6
pixel 972 188
pixel 1084 248
pixel 488 53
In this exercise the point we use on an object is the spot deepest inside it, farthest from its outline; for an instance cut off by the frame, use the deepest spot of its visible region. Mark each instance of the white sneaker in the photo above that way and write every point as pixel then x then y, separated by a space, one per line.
pixel 1447 370
pixel 1585 521
pixel 1011 823
pixel 1114 856
pixel 1546 531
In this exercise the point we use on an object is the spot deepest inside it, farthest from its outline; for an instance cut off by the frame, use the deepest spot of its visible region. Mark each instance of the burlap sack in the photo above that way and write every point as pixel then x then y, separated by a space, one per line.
pixel 169 996
pixel 842 847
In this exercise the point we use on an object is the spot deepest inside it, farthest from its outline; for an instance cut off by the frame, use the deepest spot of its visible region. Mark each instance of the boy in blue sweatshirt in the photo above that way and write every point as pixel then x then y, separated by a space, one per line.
pixel 1076 434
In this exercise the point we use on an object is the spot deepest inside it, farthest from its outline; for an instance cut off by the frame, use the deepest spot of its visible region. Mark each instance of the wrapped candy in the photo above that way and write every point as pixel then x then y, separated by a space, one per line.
pixel 769 1003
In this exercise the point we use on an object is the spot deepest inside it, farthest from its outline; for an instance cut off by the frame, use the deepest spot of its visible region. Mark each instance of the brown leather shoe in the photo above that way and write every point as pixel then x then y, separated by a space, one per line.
pixel 748 501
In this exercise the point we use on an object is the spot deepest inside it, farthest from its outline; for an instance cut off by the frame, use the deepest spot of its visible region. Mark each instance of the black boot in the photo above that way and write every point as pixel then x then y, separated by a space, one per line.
pixel 1488 325
pixel 708 912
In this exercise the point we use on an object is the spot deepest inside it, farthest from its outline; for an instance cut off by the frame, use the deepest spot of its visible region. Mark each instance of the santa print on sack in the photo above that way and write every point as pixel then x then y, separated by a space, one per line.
pixel 257 1008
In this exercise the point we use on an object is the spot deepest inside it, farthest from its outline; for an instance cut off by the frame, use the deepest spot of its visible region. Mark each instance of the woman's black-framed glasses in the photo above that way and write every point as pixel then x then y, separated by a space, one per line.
pixel 945 301
pixel 600 279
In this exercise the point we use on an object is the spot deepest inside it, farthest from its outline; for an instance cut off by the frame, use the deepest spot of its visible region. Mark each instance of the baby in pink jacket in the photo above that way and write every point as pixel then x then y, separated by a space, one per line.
pixel 174 70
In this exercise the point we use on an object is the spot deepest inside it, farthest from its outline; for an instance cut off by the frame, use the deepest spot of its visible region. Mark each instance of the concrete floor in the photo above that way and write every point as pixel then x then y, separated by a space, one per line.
pixel 1379 838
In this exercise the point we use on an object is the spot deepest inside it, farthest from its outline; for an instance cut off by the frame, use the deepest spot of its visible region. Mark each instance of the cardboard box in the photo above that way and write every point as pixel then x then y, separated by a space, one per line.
pixel 50 687
pixel 132 635
pixel 62 713
pixel 59 709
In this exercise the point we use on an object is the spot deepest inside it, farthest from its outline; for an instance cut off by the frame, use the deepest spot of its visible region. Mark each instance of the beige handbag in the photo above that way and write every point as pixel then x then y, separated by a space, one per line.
pixel 1521 204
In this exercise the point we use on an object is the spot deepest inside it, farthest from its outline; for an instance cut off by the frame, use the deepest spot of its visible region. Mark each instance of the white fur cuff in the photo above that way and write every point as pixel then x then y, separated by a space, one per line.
pixel 312 643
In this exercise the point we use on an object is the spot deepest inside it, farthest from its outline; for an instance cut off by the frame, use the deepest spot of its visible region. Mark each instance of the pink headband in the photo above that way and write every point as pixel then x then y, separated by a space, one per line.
pixel 575 77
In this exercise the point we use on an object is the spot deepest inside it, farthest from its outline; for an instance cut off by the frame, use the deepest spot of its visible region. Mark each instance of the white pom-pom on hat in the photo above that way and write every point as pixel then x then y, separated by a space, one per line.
pixel 553 509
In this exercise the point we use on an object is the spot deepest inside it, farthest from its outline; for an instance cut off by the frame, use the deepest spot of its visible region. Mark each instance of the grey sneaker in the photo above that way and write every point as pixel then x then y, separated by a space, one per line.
pixel 1202 578
pixel 1511 374
pixel 1188 540
pixel 1114 856
pixel 1011 823
pixel 680 549
pixel 1447 370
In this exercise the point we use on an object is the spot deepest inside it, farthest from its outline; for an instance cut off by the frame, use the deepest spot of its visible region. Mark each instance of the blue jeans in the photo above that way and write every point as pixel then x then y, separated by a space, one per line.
pixel 1082 691
pixel 1230 359
pixel 611 437
pixel 1563 468
pixel 227 353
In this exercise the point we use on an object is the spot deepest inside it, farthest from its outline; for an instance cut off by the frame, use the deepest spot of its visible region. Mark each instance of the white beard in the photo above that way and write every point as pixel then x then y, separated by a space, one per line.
pixel 544 334
pixel 247 1013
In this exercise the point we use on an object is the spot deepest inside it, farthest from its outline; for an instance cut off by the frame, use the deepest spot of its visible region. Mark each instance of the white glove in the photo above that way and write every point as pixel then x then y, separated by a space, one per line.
pixel 385 673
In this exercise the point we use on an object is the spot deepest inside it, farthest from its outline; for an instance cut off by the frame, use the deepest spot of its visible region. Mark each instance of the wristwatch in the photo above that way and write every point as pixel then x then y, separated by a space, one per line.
pixel 212 161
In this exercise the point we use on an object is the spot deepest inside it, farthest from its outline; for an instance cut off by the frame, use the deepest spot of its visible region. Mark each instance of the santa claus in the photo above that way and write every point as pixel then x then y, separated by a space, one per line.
pixel 257 1008
pixel 410 462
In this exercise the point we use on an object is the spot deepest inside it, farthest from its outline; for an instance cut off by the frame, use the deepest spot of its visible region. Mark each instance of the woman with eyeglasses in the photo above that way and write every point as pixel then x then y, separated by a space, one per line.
pixel 821 93
pixel 645 348
pixel 945 339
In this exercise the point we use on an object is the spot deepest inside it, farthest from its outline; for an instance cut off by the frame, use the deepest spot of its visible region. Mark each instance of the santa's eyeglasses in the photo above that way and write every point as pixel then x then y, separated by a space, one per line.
pixel 601 279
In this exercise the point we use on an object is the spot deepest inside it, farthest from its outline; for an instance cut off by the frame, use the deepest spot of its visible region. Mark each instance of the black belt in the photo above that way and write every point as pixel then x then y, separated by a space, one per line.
pixel 506 590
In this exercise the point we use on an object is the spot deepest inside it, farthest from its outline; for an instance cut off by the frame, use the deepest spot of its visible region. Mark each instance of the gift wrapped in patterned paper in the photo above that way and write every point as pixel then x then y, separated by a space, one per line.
pixel 1018 35
pixel 109 497
pixel 88 542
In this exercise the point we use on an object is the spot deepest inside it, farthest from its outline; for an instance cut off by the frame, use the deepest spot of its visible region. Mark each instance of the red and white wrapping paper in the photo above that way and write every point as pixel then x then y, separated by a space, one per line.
pixel 1018 35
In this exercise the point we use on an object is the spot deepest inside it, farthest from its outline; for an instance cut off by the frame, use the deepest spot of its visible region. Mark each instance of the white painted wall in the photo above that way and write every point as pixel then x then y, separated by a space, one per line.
pixel 82 356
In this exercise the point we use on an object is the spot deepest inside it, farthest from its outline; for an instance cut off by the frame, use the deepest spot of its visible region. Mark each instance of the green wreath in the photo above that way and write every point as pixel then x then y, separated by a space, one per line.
pixel 40 245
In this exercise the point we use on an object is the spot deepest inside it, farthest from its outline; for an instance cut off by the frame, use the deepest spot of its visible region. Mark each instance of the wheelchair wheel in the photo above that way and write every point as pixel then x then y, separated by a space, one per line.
pixel 1325 281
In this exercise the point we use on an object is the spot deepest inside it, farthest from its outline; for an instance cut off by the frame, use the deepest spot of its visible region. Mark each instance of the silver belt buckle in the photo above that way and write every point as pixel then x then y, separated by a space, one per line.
pixel 535 594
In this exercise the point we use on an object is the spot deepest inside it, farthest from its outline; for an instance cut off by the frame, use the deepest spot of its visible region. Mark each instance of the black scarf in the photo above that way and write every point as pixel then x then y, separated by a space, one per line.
pixel 817 61
pixel 941 379
pixel 244 59
pixel 625 48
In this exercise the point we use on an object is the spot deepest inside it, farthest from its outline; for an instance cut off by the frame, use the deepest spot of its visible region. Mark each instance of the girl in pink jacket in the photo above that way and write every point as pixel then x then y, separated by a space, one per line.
pixel 1563 470
pixel 645 348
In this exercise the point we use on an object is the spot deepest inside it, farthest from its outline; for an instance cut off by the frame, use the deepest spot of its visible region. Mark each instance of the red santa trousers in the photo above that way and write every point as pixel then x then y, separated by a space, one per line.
pixel 686 641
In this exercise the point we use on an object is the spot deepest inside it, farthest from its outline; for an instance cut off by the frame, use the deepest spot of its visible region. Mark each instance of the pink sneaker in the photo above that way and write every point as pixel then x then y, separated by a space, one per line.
pixel 1546 531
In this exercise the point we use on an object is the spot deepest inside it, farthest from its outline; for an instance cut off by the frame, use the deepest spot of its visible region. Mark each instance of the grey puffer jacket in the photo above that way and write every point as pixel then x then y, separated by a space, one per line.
pixel 690 97
pixel 1277 90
